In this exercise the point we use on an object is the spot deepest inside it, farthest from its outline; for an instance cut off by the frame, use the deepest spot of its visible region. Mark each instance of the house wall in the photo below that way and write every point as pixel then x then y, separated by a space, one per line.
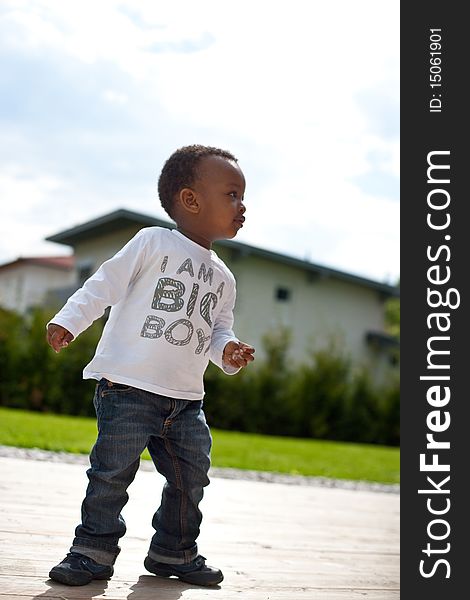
pixel 25 285
pixel 96 251
pixel 318 312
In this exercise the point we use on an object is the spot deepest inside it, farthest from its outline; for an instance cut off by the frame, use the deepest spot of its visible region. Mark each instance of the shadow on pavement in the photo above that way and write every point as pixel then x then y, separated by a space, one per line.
pixel 146 588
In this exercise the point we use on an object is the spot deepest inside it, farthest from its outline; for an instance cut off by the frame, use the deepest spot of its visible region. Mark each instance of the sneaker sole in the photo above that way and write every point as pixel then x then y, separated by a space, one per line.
pixel 182 577
pixel 188 578
pixel 74 578
pixel 70 578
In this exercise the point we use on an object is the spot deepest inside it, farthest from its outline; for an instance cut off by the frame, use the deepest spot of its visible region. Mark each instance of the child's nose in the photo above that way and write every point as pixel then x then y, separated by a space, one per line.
pixel 242 207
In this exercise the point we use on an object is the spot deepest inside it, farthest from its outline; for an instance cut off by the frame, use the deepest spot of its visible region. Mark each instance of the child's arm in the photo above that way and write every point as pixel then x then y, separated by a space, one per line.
pixel 105 288
pixel 227 352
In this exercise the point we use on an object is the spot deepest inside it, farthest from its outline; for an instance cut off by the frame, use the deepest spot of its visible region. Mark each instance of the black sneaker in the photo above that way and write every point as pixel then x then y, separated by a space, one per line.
pixel 77 569
pixel 196 572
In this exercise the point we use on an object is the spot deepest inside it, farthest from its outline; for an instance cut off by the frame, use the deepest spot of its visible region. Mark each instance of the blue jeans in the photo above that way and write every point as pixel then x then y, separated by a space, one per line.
pixel 178 439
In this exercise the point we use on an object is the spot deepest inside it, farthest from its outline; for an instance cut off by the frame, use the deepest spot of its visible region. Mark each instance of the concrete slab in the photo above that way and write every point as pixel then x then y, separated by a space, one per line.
pixel 272 541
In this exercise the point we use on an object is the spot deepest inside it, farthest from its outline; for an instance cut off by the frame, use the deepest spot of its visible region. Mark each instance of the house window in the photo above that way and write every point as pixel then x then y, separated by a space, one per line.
pixel 84 270
pixel 282 294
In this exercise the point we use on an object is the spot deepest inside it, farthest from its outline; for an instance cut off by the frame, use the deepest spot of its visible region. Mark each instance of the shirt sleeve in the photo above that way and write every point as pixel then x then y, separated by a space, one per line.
pixel 222 333
pixel 105 288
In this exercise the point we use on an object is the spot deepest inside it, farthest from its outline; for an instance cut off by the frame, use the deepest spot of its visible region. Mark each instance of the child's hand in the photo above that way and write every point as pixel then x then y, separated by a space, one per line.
pixel 58 337
pixel 238 354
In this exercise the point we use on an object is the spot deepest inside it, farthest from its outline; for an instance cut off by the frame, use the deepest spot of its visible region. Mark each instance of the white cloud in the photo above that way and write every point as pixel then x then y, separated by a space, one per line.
pixel 24 198
pixel 114 97
pixel 22 191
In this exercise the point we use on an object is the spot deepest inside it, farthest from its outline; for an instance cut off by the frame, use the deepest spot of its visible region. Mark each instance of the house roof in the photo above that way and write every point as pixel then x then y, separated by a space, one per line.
pixel 65 263
pixel 113 221
pixel 122 218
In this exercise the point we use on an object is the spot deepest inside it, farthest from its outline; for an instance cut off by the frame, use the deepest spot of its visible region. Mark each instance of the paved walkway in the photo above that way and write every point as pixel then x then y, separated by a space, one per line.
pixel 273 541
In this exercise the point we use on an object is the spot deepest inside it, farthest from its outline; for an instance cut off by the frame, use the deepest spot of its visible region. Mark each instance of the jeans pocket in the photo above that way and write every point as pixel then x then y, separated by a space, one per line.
pixel 110 387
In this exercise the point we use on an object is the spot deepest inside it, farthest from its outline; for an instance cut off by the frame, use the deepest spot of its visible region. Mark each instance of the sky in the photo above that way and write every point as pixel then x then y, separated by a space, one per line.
pixel 94 97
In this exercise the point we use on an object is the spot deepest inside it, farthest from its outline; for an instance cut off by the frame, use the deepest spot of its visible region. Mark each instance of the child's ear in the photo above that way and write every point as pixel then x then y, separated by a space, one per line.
pixel 188 200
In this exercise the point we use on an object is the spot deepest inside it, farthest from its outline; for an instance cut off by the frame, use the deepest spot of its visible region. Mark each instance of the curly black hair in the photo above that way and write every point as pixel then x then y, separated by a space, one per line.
pixel 180 171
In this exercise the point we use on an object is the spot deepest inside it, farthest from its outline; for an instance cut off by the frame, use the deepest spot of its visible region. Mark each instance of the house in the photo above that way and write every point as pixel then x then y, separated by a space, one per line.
pixel 318 305
pixel 25 282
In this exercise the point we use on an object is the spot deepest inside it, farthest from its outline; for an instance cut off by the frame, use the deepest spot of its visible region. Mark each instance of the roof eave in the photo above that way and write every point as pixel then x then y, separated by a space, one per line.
pixel 113 221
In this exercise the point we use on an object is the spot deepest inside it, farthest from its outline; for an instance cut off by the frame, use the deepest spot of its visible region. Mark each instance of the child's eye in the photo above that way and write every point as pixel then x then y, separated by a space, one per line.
pixel 233 194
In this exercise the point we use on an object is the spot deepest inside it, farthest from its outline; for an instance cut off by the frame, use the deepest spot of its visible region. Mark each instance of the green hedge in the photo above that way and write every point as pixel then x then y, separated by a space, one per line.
pixel 324 398
pixel 33 376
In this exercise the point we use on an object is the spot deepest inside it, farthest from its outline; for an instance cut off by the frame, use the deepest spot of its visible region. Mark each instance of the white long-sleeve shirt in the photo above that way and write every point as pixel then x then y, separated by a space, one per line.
pixel 171 311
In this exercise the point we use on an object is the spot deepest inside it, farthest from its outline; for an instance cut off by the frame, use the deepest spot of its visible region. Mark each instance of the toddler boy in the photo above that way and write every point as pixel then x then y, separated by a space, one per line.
pixel 172 303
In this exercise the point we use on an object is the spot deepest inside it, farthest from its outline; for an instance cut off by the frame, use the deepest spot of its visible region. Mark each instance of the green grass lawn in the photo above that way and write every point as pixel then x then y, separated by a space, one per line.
pixel 231 449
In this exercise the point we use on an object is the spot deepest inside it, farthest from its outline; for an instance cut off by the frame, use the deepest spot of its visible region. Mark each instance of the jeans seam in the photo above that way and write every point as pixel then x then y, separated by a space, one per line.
pixel 179 485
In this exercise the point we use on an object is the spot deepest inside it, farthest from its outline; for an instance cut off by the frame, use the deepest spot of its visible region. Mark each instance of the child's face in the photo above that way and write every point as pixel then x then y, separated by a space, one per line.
pixel 219 191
